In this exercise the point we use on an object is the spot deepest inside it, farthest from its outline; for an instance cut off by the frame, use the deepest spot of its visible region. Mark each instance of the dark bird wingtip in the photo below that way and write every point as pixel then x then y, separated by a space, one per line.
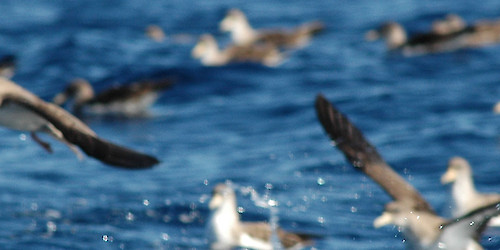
pixel 138 162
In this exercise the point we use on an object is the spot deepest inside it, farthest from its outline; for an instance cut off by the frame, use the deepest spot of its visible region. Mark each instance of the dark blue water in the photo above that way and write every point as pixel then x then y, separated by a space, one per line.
pixel 246 123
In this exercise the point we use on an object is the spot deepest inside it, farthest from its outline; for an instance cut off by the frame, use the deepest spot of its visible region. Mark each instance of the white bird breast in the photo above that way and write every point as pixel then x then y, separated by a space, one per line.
pixel 17 117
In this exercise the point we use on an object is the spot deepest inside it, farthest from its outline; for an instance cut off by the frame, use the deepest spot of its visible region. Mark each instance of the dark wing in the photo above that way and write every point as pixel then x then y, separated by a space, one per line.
pixel 472 224
pixel 363 156
pixel 130 91
pixel 76 133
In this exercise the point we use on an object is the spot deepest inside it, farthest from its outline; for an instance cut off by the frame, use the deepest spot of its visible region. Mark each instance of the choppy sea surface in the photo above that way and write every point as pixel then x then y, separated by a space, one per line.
pixel 253 125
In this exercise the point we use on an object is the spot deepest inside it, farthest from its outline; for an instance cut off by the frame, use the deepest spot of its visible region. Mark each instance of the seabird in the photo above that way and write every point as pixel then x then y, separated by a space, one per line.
pixel 465 196
pixel 24 111
pixel 155 32
pixel 409 210
pixel 7 66
pixel 432 42
pixel 225 230
pixel 129 100
pixel 209 53
pixel 242 32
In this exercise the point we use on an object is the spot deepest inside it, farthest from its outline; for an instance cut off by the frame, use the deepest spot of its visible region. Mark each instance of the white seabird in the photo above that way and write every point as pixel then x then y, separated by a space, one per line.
pixel 225 230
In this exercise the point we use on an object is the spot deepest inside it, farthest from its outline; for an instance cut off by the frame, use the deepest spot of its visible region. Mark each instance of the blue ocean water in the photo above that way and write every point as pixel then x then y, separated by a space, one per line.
pixel 253 125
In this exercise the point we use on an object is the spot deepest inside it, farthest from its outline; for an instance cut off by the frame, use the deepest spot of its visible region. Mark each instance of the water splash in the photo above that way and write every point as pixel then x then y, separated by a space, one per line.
pixel 263 201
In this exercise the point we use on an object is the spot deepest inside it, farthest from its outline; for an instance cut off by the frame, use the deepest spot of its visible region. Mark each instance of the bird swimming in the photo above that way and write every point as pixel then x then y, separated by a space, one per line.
pixel 225 230
pixel 209 53
pixel 431 42
pixel 243 34
pixel 131 100
pixel 409 210
pixel 21 110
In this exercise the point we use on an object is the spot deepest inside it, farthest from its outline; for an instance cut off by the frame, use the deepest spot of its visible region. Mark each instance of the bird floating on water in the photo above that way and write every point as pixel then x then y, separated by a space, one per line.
pixel 131 100
pixel 209 53
pixel 243 34
pixel 225 230
pixel 431 42
pixel 409 210
pixel 24 111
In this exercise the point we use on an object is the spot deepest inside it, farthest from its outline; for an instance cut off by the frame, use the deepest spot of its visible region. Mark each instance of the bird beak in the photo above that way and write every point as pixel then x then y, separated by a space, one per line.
pixel 215 201
pixel 225 25
pixel 448 177
pixel 383 220
pixel 60 98
pixel 372 35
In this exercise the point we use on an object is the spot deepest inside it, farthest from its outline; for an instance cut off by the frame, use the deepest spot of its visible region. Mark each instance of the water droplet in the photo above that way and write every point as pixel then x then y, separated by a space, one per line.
pixel 129 216
pixel 241 210
pixel 321 220
pixel 321 181
pixel 22 137
pixel 51 226
pixel 145 202
pixel 269 186
pixel 472 223
pixel 205 182
pixel 107 238
pixel 165 236
pixel 354 209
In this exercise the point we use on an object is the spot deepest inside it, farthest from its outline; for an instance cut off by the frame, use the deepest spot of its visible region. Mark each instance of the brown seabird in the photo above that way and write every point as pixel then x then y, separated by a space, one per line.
pixel 431 42
pixel 242 32
pixel 24 111
pixel 129 100
pixel 409 210
pixel 209 53
pixel 227 231
pixel 464 193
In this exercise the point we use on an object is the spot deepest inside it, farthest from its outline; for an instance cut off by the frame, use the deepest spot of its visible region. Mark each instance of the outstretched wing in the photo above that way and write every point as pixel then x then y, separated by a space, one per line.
pixel 79 134
pixel 470 225
pixel 363 156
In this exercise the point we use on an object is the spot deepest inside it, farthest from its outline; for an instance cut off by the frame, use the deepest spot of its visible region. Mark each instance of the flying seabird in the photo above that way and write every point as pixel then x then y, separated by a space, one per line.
pixel 242 32
pixel 465 196
pixel 225 230
pixel 7 66
pixel 24 111
pixel 129 100
pixel 209 53
pixel 432 42
pixel 409 210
